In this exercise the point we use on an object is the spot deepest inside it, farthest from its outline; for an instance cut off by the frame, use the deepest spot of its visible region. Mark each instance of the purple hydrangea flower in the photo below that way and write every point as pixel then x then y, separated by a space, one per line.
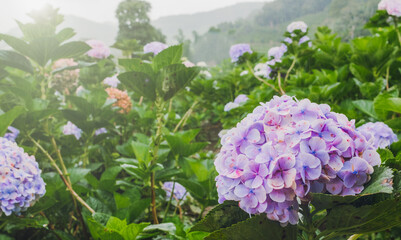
pixel 154 47
pixel 300 25
pixel 381 134
pixel 99 49
pixel 12 135
pixel 20 182
pixel 72 129
pixel 287 148
pixel 112 81
pixel 242 98
pixel 277 52
pixel 100 131
pixel 263 70
pixel 305 39
pixel 393 7
pixel 180 192
pixel 288 40
pixel 238 50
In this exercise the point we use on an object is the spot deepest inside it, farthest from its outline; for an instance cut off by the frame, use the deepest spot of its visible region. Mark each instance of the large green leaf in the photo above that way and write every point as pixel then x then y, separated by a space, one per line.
pixel 173 78
pixel 388 104
pixel 17 44
pixel 7 118
pixel 348 219
pixel 366 106
pixel 43 49
pixel 257 227
pixel 136 65
pixel 70 50
pixel 222 216
pixel 139 82
pixel 169 56
pixel 15 60
pixel 183 148
pixel 380 181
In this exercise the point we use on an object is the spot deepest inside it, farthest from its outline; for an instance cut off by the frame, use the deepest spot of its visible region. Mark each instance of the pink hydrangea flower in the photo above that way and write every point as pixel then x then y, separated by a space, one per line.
pixel 99 49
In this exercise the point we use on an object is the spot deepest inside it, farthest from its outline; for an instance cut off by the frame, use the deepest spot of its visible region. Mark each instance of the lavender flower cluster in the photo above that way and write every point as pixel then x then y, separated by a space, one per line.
pixel 276 53
pixel 237 50
pixel 285 149
pixel 242 98
pixel 20 182
pixel 12 135
pixel 378 133
pixel 180 192
pixel 72 129
pixel 154 47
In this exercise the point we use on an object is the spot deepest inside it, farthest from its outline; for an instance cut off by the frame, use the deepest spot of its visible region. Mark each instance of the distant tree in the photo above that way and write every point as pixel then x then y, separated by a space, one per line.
pixel 134 22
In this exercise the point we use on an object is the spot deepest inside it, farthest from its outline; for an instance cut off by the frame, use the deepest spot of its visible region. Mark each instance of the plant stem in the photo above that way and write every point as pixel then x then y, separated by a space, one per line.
pixel 387 77
pixel 279 84
pixel 310 230
pixel 185 117
pixel 54 164
pixel 169 202
pixel 354 237
pixel 261 79
pixel 158 140
pixel 290 69
pixel 396 29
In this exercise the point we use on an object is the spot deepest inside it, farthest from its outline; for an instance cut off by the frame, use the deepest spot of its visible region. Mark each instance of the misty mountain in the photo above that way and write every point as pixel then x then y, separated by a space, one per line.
pixel 202 22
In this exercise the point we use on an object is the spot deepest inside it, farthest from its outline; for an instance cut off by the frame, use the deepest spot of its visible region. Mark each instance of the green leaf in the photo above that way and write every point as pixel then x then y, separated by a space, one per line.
pixel 193 187
pixel 70 50
pixel 222 216
pixel 7 118
pixel 141 151
pixel 181 146
pixel 43 49
pixel 257 227
pixel 116 224
pixel 388 104
pixel 139 82
pixel 137 208
pixel 133 230
pixel 15 60
pixel 168 56
pixel 136 65
pixel 65 34
pixel 366 106
pixel 380 181
pixel 17 44
pixel 164 227
pixel 394 123
pixel 348 219
pixel 77 174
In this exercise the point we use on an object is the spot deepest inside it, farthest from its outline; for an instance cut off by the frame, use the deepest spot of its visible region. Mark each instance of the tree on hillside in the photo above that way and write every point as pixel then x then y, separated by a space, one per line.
pixel 134 22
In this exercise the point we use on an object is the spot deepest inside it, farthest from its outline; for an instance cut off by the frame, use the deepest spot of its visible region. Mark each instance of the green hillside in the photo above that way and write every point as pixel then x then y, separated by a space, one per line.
pixel 201 22
pixel 265 29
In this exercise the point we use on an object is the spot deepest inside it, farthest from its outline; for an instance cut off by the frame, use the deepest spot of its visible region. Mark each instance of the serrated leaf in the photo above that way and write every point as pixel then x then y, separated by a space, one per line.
pixel 380 181
pixel 257 227
pixel 140 83
pixel 70 50
pixel 222 216
pixel 15 60
pixel 7 118
pixel 168 56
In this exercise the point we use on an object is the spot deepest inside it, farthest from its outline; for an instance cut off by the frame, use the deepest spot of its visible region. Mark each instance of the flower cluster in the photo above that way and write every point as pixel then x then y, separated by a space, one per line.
pixel 20 182
pixel 67 79
pixel 100 131
pixel 237 101
pixel 287 148
pixel 237 50
pixel 112 81
pixel 123 100
pixel 300 25
pixel 154 47
pixel 180 193
pixel 12 135
pixel 379 133
pixel 72 129
pixel 99 49
pixel 276 53
pixel 393 7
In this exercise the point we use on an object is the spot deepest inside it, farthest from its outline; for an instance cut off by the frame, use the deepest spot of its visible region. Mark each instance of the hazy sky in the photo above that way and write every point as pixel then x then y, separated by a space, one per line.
pixel 103 10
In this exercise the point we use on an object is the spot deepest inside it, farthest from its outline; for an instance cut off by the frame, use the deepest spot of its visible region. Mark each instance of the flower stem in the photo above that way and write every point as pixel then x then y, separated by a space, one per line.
pixel 387 77
pixel 185 117
pixel 279 84
pixel 309 228
pixel 63 178
pixel 290 69
pixel 157 141
pixel 354 237
pixel 261 79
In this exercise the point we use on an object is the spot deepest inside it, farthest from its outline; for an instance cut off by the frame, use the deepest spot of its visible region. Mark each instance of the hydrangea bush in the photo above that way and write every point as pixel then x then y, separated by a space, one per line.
pixel 20 180
pixel 287 148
